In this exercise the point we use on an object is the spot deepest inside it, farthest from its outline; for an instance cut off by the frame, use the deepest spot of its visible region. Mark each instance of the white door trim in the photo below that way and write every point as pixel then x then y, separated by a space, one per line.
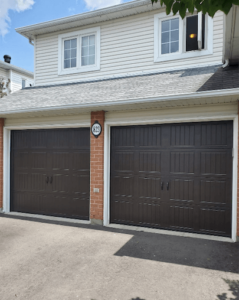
pixel 7 147
pixel 107 127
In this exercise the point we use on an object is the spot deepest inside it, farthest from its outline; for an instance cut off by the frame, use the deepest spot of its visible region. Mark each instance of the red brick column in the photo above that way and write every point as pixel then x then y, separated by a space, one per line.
pixel 1 162
pixel 97 170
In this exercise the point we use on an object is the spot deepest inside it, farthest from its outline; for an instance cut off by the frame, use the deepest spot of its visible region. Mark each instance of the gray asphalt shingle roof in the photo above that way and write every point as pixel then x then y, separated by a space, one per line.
pixel 127 88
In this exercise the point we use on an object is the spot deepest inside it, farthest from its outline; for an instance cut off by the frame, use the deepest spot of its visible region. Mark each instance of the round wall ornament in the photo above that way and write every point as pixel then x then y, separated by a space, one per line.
pixel 96 129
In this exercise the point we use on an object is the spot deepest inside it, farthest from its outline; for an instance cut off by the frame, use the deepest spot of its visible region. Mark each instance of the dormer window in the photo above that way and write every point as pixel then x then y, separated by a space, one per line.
pixel 175 38
pixel 79 51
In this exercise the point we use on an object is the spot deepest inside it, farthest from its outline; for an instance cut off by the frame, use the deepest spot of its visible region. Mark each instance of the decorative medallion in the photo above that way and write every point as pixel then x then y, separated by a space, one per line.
pixel 96 129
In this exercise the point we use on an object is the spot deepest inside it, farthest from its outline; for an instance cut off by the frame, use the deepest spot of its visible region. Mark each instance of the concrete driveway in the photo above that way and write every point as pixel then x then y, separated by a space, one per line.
pixel 45 260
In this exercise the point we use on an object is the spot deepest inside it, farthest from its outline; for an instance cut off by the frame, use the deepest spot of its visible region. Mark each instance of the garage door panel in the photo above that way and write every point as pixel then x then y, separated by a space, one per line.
pixel 182 162
pixel 182 135
pixel 149 136
pixel 182 190
pixel 182 217
pixel 214 221
pixel 123 161
pixel 150 161
pixel 215 191
pixel 149 188
pixel 50 163
pixel 81 161
pixel 217 134
pixel 184 171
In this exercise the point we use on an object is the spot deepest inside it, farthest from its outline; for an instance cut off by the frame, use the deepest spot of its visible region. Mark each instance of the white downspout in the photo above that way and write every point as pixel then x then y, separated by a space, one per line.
pixel 226 63
pixel 199 31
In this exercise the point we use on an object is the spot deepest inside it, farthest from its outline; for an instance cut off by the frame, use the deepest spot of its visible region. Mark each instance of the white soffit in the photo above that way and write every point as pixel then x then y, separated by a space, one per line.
pixel 99 15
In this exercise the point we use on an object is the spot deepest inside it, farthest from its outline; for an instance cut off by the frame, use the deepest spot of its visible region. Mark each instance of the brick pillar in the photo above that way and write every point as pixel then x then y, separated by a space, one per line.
pixel 97 170
pixel 1 162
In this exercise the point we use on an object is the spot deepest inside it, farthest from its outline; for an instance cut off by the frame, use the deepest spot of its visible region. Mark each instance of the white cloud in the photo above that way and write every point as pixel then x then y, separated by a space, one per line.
pixel 5 6
pixel 95 4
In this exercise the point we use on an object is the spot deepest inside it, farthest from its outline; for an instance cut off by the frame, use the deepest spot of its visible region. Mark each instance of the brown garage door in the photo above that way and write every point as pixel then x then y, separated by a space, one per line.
pixel 50 172
pixel 176 176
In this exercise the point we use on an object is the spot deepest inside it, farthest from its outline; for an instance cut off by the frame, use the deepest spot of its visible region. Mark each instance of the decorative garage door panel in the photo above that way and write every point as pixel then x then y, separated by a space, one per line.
pixel 176 176
pixel 50 172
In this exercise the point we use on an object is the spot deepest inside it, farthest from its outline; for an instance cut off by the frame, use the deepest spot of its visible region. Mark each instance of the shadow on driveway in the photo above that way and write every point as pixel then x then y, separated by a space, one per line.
pixel 193 252
pixel 233 289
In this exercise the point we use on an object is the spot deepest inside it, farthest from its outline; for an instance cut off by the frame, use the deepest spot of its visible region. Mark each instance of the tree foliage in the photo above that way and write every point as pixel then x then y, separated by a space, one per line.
pixel 206 6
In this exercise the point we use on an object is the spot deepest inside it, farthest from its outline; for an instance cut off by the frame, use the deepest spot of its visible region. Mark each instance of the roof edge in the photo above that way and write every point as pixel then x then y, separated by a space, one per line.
pixel 194 95
pixel 8 66
pixel 83 16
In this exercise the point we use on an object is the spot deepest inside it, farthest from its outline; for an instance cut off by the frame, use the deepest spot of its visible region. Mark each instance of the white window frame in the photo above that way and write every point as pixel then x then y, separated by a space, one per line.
pixel 78 35
pixel 181 54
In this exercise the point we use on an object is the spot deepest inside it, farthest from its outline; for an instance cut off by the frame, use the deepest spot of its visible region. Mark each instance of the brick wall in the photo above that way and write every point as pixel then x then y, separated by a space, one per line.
pixel 97 168
pixel 1 162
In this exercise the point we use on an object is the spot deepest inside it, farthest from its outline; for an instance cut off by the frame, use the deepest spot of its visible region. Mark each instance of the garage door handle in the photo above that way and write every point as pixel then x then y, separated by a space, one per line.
pixel 167 185
pixel 51 179
pixel 161 185
pixel 47 179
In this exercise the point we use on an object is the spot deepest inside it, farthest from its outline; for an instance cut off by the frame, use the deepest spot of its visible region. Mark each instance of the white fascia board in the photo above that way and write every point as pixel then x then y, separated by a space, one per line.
pixel 90 17
pixel 199 95
pixel 8 66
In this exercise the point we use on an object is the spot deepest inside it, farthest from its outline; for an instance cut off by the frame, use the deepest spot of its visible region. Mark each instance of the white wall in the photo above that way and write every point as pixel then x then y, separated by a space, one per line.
pixel 3 72
pixel 127 47
pixel 17 81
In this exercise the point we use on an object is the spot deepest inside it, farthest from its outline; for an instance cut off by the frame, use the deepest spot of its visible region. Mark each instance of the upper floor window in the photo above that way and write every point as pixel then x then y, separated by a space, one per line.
pixel 79 51
pixel 23 83
pixel 175 38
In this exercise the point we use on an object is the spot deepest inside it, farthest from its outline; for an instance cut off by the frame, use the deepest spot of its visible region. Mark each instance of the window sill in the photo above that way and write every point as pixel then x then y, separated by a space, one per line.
pixel 79 70
pixel 191 54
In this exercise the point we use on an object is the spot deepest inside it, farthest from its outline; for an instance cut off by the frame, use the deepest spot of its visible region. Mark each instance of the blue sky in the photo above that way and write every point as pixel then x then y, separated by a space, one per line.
pixel 27 12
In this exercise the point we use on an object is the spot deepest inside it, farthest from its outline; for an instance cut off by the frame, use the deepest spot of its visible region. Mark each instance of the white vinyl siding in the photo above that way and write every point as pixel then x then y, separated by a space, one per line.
pixel 17 81
pixel 126 47
pixel 3 73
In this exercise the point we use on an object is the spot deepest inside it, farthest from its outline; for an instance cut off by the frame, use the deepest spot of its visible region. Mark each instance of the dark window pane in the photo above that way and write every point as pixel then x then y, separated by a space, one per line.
pixel 73 53
pixel 67 54
pixel 174 47
pixel 67 63
pixel 67 44
pixel 165 37
pixel 165 48
pixel 174 35
pixel 73 43
pixel 192 31
pixel 165 26
pixel 175 24
pixel 73 62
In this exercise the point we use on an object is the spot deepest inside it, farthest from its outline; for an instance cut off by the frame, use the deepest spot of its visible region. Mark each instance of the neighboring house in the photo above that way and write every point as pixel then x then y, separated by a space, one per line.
pixel 14 77
pixel 162 150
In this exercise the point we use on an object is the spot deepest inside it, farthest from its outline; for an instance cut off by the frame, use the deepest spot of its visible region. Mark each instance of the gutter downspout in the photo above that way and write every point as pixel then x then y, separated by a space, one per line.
pixel 226 63
pixel 31 41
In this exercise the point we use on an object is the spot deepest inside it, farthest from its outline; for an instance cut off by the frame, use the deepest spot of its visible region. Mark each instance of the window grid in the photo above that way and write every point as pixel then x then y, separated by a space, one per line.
pixel 70 53
pixel 88 50
pixel 170 36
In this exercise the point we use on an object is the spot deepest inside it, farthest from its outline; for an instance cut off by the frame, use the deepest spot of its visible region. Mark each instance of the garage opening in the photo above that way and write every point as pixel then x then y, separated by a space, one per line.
pixel 50 172
pixel 173 176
